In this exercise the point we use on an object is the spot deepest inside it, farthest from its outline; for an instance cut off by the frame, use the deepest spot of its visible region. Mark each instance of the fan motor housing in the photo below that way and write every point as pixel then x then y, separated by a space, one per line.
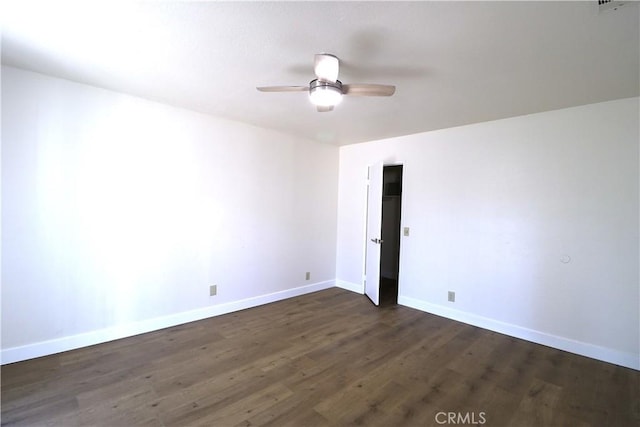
pixel 318 84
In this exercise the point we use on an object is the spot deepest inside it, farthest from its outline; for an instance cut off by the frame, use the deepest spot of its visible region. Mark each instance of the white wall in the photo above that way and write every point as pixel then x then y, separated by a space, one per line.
pixel 118 213
pixel 495 208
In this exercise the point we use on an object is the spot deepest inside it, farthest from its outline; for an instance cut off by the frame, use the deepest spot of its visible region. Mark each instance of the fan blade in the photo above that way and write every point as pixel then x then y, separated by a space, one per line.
pixel 326 67
pixel 326 109
pixel 283 89
pixel 368 90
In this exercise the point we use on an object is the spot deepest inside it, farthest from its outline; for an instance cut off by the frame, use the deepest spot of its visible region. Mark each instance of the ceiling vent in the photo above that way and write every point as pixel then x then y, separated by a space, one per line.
pixel 607 5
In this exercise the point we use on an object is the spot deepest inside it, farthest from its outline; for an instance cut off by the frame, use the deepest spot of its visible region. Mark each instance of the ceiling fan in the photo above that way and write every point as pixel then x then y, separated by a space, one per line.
pixel 326 91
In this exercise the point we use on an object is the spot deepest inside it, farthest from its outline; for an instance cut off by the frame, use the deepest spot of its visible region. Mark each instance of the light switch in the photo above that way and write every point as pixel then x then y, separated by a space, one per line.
pixel 405 231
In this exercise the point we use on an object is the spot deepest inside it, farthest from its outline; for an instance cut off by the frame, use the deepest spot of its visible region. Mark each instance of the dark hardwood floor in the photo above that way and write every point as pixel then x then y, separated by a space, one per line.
pixel 328 358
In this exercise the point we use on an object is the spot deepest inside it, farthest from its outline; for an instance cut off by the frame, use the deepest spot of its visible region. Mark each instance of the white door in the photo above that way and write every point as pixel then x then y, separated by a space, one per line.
pixel 374 232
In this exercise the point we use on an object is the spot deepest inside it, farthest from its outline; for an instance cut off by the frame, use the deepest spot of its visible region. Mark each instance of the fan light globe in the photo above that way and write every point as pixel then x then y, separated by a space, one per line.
pixel 325 94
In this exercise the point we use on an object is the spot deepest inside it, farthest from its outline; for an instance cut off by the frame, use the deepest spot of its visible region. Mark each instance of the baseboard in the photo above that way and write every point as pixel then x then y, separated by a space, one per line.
pixel 45 348
pixel 605 354
pixel 349 286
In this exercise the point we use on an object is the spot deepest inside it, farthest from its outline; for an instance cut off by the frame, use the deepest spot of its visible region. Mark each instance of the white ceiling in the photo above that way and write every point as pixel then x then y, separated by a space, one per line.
pixel 453 63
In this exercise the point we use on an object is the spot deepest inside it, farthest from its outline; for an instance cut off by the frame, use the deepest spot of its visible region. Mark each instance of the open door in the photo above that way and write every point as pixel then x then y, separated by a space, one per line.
pixel 374 233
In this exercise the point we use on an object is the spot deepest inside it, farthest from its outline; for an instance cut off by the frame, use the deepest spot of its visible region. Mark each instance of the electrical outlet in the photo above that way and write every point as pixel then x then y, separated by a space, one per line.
pixel 452 296
pixel 307 275
pixel 406 231
pixel 213 290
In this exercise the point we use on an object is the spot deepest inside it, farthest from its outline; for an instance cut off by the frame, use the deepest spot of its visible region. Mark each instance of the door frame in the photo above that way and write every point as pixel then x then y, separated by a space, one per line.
pixel 366 217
